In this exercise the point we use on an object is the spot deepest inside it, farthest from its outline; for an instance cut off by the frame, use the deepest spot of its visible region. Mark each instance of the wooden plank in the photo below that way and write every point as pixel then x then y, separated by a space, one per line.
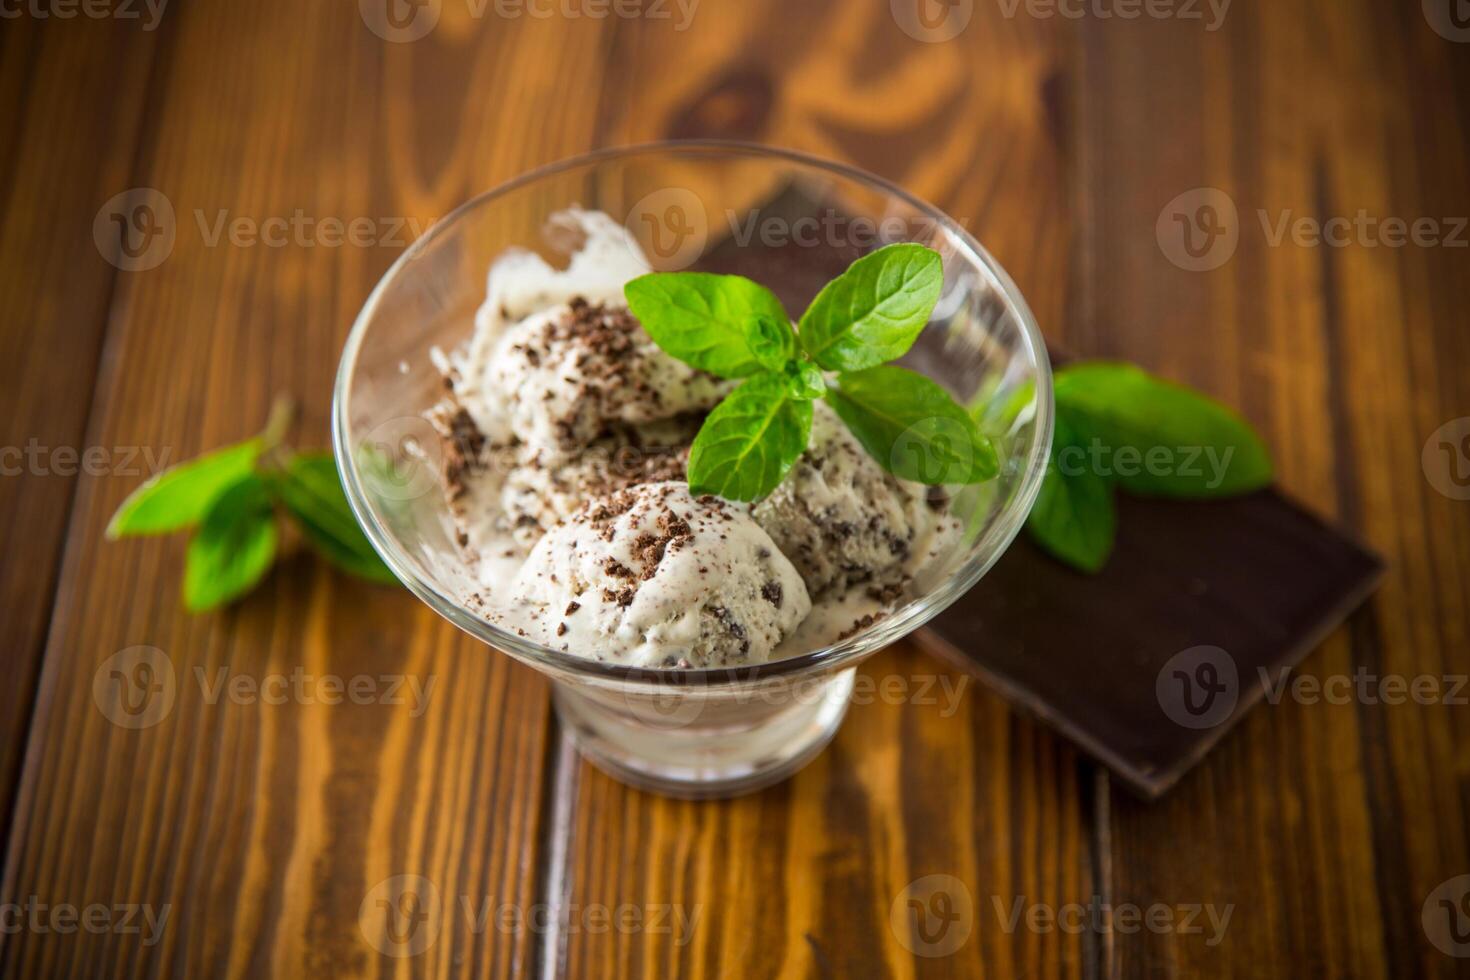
pixel 1323 827
pixel 65 152
pixel 266 829
pixel 802 879
pixel 809 878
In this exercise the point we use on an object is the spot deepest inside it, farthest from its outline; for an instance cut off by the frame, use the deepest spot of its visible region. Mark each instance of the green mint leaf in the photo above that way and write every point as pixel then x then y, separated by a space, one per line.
pixel 178 497
pixel 233 547
pixel 1155 438
pixel 873 312
pixel 804 380
pixel 707 321
pixel 913 427
pixel 749 442
pixel 1074 518
pixel 311 489
pixel 771 342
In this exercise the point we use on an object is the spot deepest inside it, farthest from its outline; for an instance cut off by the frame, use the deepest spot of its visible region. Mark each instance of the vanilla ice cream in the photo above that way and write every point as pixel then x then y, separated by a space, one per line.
pixel 843 520
pixel 544 489
pixel 563 375
pixel 566 436
pixel 556 356
pixel 654 577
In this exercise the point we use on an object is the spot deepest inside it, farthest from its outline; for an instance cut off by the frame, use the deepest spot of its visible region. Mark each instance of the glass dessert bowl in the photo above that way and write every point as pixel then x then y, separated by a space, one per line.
pixel 787 221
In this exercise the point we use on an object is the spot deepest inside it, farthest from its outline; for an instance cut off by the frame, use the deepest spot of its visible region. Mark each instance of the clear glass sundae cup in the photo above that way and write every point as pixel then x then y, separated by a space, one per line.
pixel 791 222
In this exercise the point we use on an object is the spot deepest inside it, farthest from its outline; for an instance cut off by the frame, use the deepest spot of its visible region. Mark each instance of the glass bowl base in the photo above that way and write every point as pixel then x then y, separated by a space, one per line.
pixel 704 747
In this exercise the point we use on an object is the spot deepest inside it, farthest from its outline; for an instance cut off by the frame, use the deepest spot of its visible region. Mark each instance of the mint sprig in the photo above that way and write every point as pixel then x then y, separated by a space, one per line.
pixel 873 312
pixel 750 441
pixel 926 437
pixel 1120 428
pixel 869 315
pixel 1074 518
pixel 726 325
pixel 230 499
pixel 234 546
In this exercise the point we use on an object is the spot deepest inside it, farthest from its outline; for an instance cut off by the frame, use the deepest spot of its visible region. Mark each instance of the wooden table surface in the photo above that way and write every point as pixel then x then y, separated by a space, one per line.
pixel 263 831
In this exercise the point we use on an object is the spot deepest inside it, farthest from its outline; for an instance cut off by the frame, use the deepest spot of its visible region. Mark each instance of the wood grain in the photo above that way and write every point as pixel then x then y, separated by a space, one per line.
pixel 804 879
pixel 264 827
pixel 801 880
pixel 1324 826
pixel 271 830
pixel 65 151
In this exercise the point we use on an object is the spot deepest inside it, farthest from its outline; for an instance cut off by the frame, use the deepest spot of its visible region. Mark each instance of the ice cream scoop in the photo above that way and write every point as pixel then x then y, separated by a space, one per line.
pixel 652 576
pixel 544 489
pixel 565 375
pixel 844 520
pixel 556 356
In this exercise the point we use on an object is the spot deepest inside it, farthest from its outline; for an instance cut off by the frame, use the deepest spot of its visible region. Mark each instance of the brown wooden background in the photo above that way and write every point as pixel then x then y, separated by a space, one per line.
pixel 1058 140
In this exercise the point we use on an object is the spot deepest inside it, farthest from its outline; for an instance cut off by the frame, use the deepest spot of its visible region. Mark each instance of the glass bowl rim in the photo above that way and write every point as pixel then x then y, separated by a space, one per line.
pixel 909 617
